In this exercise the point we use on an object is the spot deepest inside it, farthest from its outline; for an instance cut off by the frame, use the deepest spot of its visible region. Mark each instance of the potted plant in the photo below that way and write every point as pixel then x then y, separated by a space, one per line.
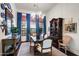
pixel 14 32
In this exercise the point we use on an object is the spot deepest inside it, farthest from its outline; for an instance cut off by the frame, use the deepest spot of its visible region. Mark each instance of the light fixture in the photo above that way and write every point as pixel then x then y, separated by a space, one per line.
pixel 36 7
pixel 37 11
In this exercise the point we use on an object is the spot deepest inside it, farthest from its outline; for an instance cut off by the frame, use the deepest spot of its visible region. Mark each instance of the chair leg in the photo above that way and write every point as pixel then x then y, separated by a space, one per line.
pixel 59 46
pixel 51 51
pixel 65 50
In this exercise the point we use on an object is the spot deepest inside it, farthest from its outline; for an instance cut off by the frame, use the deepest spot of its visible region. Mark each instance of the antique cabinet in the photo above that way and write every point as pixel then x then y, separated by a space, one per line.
pixel 56 28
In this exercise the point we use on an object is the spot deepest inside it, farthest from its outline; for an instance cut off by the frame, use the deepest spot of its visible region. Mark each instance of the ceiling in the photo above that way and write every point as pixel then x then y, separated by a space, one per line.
pixel 43 7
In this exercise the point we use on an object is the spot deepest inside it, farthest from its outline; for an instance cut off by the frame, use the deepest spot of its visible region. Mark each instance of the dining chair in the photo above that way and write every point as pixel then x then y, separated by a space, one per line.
pixel 45 46
pixel 64 43
pixel 42 36
pixel 45 36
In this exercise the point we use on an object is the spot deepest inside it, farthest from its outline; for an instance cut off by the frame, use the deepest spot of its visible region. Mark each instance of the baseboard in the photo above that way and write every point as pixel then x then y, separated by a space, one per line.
pixel 75 51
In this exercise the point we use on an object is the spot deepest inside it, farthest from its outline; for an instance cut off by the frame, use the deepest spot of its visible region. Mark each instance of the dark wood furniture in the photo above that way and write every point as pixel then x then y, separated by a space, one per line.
pixel 10 47
pixel 56 28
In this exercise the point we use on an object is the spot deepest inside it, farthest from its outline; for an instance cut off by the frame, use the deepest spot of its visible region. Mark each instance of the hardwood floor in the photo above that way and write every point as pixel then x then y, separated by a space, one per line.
pixel 68 52
pixel 25 51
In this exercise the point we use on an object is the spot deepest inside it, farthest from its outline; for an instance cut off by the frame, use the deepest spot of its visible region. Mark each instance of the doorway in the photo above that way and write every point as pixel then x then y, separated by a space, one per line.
pixel 23 28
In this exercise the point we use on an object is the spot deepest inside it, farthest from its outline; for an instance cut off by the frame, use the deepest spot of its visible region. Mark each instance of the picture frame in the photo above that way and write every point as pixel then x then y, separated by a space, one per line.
pixel 72 28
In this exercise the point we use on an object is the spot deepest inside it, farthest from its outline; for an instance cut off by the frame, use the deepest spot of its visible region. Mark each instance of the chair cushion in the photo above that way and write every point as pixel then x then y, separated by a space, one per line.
pixel 47 43
pixel 44 50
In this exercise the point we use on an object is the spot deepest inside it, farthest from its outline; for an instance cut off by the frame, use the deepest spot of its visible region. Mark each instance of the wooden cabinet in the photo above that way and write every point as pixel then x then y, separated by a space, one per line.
pixel 56 28
pixel 10 47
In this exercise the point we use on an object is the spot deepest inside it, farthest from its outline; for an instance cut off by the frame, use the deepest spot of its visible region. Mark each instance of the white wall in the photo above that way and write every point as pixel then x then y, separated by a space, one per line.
pixel 67 11
pixel 2 34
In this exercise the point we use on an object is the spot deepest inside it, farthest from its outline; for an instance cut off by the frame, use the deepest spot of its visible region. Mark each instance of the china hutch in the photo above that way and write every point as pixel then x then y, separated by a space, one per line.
pixel 56 28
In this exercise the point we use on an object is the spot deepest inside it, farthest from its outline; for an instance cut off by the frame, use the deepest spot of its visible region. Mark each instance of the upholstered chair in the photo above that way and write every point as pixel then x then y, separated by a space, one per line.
pixel 45 36
pixel 45 47
pixel 42 36
pixel 64 43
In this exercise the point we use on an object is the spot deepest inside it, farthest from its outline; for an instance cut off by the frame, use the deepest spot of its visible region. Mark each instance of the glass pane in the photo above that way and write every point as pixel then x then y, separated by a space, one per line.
pixel 8 26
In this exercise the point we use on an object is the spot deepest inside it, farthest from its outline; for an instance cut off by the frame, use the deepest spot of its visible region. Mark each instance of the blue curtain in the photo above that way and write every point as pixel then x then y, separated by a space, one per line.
pixel 19 18
pixel 37 26
pixel 44 22
pixel 28 27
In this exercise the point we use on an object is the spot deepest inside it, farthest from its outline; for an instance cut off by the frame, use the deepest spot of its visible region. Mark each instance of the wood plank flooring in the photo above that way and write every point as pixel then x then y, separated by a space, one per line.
pixel 25 51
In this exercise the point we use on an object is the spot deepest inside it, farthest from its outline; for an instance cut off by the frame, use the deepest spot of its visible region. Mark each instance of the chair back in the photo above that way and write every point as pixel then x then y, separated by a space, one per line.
pixel 42 36
pixel 66 39
pixel 47 43
pixel 45 36
pixel 33 34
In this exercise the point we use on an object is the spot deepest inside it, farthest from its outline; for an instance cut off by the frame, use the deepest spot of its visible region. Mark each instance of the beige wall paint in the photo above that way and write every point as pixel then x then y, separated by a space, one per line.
pixel 67 11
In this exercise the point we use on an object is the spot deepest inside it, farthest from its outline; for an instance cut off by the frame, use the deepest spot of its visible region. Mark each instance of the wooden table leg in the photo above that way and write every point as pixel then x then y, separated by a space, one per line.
pixel 30 44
